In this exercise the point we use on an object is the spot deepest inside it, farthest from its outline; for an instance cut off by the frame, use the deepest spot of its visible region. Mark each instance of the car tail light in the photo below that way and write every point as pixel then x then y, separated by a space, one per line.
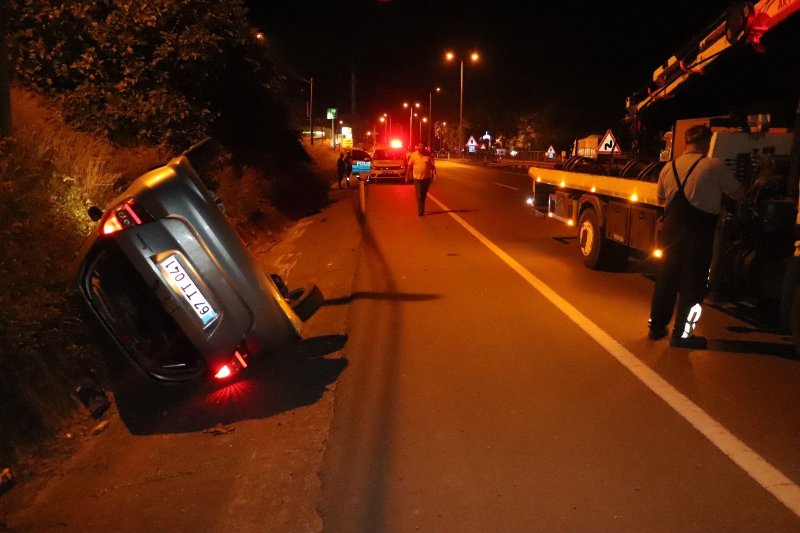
pixel 124 215
pixel 235 365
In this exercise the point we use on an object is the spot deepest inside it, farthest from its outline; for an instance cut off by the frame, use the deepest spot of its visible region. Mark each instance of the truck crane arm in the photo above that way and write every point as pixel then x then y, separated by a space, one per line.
pixel 742 23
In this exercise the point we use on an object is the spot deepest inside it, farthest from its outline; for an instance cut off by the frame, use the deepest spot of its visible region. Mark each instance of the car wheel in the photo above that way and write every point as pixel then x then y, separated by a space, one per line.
pixel 305 301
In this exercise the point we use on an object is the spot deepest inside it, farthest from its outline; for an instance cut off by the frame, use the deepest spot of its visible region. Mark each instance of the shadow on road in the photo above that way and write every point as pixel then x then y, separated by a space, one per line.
pixel 297 376
pixel 378 295
pixel 775 349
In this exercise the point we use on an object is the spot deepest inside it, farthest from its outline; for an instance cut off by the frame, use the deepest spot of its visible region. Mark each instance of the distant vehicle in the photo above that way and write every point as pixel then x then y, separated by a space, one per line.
pixel 173 284
pixel 388 163
pixel 362 162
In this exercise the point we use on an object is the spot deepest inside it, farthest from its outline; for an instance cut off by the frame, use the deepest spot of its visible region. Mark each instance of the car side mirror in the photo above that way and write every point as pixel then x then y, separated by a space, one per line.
pixel 95 213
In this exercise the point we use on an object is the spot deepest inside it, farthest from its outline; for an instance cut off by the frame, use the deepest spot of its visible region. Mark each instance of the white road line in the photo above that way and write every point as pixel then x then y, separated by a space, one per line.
pixel 507 186
pixel 766 475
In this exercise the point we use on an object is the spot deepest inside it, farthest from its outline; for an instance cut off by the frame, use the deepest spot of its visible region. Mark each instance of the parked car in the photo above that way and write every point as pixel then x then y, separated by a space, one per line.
pixel 388 163
pixel 362 162
pixel 175 287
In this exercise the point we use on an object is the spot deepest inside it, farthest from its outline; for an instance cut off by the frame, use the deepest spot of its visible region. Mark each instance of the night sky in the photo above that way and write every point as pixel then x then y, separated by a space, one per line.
pixel 581 58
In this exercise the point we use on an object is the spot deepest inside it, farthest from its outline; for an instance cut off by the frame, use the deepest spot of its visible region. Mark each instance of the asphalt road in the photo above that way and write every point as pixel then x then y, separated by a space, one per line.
pixel 473 376
pixel 495 384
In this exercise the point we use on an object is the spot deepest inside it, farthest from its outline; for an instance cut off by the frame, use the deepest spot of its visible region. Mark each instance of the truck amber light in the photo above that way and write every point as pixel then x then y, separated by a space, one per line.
pixel 658 253
pixel 634 198
pixel 125 214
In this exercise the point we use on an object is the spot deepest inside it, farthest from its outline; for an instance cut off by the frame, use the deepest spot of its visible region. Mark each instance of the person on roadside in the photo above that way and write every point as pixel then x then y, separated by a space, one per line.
pixel 692 187
pixel 341 168
pixel 422 169
pixel 348 160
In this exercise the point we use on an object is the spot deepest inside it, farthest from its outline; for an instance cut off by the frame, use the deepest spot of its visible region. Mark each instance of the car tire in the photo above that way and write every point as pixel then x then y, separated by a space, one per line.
pixel 305 301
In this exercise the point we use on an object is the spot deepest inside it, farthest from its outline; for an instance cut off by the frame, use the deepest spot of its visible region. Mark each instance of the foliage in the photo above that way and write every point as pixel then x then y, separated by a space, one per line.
pixel 49 174
pixel 541 129
pixel 149 72
pixel 165 73
pixel 527 133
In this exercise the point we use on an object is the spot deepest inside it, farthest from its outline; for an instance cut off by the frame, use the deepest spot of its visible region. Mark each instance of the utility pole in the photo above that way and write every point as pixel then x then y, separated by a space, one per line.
pixel 5 76
pixel 311 109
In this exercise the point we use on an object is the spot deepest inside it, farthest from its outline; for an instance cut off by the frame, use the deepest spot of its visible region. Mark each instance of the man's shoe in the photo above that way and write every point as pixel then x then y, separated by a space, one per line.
pixel 657 333
pixel 693 343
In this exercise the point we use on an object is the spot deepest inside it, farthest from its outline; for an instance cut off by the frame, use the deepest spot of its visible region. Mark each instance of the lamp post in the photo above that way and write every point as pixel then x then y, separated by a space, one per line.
pixel 430 112
pixel 425 120
pixel 450 56
pixel 410 118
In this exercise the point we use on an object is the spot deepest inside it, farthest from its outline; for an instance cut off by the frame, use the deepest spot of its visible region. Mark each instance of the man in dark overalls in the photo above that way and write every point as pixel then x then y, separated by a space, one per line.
pixel 692 187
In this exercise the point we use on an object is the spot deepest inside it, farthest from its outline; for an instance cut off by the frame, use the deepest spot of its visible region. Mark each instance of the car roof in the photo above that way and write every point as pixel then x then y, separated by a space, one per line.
pixel 389 153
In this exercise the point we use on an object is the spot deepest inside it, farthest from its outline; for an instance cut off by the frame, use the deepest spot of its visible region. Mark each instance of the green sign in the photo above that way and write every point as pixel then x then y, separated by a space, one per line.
pixel 331 113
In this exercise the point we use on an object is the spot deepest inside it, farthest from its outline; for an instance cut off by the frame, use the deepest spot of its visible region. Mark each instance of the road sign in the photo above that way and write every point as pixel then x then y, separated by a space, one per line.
pixel 472 142
pixel 331 113
pixel 608 144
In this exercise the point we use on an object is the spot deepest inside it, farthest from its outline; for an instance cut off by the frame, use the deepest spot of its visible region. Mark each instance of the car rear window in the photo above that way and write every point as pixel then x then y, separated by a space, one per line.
pixel 388 154
pixel 360 154
pixel 131 309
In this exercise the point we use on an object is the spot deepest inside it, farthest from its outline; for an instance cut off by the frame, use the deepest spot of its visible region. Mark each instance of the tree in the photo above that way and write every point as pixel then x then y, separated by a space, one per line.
pixel 527 133
pixel 154 72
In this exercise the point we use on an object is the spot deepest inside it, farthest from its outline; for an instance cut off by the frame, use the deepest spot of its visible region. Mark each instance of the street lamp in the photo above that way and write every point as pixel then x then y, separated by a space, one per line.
pixel 450 56
pixel 430 111
pixel 410 118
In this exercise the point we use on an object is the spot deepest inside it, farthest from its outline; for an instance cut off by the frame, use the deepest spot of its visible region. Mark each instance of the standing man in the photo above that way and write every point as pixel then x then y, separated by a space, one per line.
pixel 348 165
pixel 422 170
pixel 692 187
pixel 341 169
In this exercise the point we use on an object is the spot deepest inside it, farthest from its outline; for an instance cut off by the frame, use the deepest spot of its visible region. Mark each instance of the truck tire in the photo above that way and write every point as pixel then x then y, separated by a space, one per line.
pixel 598 252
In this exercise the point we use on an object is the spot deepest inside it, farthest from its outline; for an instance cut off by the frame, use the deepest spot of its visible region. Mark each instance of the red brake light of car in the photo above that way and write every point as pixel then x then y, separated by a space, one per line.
pixel 224 372
pixel 125 214
pixel 236 364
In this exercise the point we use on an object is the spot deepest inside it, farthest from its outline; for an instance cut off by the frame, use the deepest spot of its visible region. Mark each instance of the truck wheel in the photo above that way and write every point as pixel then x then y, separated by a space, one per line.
pixel 598 252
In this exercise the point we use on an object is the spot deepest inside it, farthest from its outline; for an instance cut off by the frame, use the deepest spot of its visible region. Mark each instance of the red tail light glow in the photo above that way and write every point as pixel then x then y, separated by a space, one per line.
pixel 224 372
pixel 236 364
pixel 125 214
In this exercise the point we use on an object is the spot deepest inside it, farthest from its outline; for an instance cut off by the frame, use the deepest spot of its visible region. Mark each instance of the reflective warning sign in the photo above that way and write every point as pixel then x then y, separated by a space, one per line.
pixel 608 144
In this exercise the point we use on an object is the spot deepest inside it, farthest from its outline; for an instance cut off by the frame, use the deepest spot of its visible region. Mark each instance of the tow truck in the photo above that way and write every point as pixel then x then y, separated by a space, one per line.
pixel 610 195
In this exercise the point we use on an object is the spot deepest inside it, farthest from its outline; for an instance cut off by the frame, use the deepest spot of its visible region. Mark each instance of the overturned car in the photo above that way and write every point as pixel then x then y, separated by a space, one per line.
pixel 174 285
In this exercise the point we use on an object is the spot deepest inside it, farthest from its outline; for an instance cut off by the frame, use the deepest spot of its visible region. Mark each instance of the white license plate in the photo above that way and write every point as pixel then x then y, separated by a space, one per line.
pixel 182 283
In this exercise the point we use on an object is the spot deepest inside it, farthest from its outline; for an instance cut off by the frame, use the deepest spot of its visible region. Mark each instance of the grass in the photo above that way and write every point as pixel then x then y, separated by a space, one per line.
pixel 49 176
